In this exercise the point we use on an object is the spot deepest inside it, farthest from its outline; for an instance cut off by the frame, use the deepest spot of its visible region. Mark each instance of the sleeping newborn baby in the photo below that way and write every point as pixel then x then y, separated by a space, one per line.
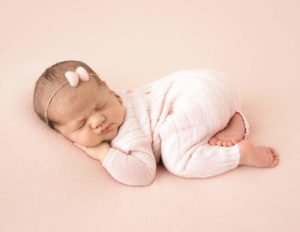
pixel 190 120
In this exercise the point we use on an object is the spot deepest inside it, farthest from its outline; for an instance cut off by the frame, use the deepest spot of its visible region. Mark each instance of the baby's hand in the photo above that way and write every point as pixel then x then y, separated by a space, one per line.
pixel 98 152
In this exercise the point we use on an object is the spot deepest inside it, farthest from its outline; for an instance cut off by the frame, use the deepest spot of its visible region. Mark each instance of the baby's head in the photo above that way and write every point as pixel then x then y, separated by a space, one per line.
pixel 81 113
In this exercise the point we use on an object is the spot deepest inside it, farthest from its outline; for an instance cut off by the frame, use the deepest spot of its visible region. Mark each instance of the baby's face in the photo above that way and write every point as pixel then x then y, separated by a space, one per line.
pixel 90 116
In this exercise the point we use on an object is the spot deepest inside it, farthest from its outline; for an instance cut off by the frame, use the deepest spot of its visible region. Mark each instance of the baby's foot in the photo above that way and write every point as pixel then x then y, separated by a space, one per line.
pixel 260 156
pixel 232 134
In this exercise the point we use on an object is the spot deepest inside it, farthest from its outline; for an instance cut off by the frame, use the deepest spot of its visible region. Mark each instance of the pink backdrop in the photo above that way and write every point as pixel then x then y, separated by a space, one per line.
pixel 46 184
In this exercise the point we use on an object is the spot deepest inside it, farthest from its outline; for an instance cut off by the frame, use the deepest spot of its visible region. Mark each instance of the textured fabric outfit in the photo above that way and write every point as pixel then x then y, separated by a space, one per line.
pixel 172 119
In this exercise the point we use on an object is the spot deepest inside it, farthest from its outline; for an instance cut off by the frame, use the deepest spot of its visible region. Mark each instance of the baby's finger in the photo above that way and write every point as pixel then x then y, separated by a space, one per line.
pixel 77 145
pixel 86 150
pixel 81 147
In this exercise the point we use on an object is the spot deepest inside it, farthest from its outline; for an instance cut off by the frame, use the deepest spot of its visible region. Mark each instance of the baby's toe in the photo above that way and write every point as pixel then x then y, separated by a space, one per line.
pixel 220 143
pixel 272 150
pixel 275 157
pixel 275 160
pixel 229 143
pixel 213 141
pixel 235 141
pixel 226 143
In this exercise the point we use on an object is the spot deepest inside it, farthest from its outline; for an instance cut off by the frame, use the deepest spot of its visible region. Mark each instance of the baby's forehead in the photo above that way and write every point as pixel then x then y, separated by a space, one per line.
pixel 85 94
pixel 72 100
pixel 89 88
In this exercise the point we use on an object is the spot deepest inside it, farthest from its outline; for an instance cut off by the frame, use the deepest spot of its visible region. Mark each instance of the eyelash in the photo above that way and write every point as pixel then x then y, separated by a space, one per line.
pixel 81 125
pixel 102 107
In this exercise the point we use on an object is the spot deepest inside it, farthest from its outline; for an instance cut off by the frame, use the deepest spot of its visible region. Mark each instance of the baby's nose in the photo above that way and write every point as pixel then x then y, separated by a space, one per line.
pixel 96 121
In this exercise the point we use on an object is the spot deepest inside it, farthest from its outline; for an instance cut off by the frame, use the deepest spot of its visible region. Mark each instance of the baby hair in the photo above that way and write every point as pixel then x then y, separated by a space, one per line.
pixel 51 81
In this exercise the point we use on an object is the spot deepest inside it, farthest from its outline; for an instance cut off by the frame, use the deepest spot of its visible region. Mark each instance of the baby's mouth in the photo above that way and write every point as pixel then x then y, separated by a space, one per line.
pixel 106 129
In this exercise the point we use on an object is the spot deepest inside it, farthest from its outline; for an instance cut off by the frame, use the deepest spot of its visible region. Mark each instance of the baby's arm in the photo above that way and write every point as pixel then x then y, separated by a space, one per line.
pixel 138 167
pixel 135 168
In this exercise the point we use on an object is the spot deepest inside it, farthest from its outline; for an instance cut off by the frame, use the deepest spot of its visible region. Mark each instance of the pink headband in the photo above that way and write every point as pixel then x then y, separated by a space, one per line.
pixel 73 79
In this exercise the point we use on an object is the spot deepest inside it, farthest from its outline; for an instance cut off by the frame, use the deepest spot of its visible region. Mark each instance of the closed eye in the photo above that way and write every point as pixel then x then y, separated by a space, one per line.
pixel 84 121
pixel 81 125
pixel 102 107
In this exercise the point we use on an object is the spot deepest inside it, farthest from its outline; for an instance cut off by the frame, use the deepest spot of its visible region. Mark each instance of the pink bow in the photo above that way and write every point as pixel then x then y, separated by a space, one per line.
pixel 73 77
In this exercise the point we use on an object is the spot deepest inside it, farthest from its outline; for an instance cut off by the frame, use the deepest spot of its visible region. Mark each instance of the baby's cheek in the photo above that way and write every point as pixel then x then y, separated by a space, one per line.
pixel 85 138
pixel 116 111
pixel 89 138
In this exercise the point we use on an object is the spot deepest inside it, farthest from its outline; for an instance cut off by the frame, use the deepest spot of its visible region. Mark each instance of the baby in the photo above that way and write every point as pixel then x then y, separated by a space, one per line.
pixel 190 120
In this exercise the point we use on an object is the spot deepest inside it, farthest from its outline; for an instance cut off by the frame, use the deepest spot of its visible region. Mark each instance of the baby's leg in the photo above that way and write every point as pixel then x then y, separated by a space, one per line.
pixel 250 155
pixel 201 160
pixel 231 134
pixel 183 155
pixel 185 150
